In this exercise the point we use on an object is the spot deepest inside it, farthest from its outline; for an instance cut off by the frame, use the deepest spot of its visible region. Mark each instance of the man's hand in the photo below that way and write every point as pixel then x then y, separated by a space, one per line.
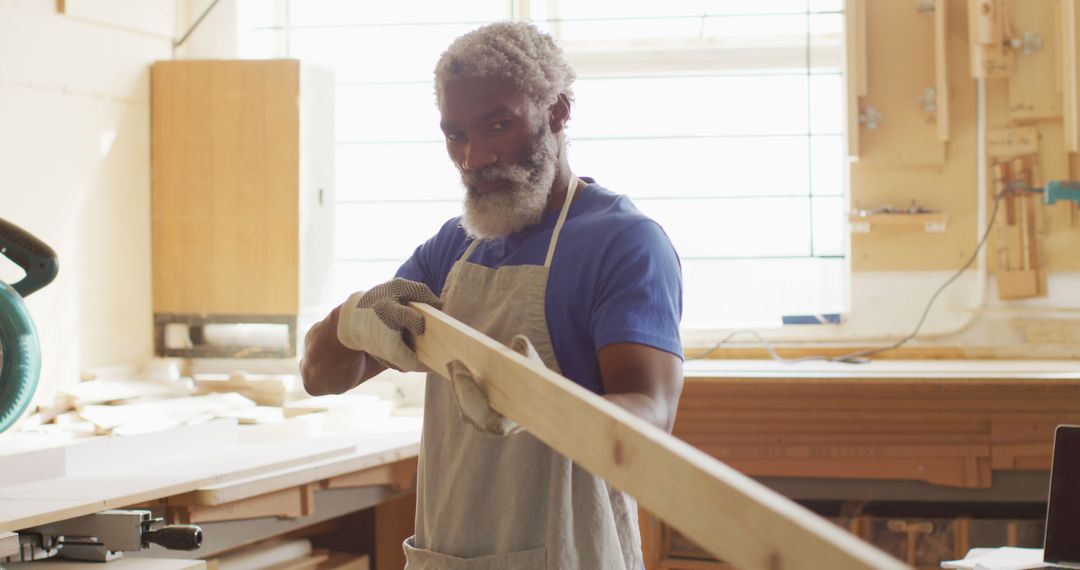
pixel 472 396
pixel 374 322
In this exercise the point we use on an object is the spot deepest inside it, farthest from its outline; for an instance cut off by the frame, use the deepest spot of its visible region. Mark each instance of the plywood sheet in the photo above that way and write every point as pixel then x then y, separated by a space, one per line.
pixel 947 186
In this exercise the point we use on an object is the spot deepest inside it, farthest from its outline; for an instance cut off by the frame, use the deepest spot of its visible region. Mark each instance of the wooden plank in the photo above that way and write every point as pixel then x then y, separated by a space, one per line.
pixel 941 69
pixel 309 562
pixel 1032 93
pixel 907 134
pixel 1069 71
pixel 371 455
pixel 727 513
pixel 986 34
pixel 842 451
pixel 1010 142
pixel 287 503
pixel 400 475
pixel 121 564
pixel 346 561
pixel 264 391
pixel 854 68
pixel 953 472
pixel 9 544
pixel 266 554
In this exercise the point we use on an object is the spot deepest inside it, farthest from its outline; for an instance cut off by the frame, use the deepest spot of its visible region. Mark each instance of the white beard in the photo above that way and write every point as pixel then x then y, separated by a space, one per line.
pixel 522 195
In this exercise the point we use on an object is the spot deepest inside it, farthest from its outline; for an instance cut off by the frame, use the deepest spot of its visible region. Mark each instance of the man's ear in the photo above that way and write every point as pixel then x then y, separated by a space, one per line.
pixel 559 113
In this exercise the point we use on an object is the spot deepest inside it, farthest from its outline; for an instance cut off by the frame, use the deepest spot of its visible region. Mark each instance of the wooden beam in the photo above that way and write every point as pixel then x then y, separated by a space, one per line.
pixel 727 513
pixel 1070 96
pixel 9 544
pixel 941 69
pixel 854 69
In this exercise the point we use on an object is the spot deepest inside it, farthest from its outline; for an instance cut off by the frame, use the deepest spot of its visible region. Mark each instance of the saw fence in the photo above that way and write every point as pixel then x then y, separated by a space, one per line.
pixel 725 512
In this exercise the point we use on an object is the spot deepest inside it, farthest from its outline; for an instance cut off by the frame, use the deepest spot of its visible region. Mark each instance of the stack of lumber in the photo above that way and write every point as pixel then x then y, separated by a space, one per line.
pixel 948 425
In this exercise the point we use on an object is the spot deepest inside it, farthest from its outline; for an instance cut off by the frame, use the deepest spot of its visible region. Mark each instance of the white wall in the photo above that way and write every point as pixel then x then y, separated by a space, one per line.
pixel 75 171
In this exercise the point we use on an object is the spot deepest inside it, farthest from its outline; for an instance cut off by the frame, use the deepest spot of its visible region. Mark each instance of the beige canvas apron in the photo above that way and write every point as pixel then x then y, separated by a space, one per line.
pixel 480 494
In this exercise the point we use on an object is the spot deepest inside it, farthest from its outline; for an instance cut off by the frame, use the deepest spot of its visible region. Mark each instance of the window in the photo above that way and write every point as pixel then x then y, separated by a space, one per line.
pixel 721 119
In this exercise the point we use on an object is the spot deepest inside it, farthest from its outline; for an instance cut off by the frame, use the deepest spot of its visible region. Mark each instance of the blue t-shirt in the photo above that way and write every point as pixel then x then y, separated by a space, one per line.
pixel 615 277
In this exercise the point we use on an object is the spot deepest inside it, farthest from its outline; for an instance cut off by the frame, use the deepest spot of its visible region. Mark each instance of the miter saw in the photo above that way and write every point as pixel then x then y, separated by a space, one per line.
pixel 20 353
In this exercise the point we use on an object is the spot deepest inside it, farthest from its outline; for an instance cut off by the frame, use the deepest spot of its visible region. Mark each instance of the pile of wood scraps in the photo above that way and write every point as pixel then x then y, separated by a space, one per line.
pixel 122 402
pixel 1020 221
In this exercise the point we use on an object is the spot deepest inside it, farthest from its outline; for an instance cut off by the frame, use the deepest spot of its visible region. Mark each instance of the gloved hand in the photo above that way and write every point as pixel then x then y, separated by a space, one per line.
pixel 374 321
pixel 472 396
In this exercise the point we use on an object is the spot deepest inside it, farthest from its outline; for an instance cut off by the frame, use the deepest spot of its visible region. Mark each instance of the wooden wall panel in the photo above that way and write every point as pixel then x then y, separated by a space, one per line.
pixel 895 80
pixel 949 187
pixel 225 204
pixel 1030 97
pixel 1035 83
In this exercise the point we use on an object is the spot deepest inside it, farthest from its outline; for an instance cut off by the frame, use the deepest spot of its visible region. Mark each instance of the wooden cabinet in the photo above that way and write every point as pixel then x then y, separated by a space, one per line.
pixel 242 177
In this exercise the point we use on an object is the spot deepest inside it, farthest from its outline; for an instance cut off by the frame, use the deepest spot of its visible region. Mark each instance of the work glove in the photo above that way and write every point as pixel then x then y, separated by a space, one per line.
pixel 472 396
pixel 374 322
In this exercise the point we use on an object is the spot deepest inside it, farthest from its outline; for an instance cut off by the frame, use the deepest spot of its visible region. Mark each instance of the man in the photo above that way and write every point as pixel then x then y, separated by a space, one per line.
pixel 553 265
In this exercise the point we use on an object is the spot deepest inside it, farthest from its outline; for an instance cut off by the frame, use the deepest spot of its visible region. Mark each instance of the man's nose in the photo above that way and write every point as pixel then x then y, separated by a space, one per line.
pixel 477 156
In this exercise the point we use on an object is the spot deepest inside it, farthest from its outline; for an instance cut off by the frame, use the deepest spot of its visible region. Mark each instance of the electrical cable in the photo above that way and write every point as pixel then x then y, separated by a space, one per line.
pixel 862 356
pixel 180 42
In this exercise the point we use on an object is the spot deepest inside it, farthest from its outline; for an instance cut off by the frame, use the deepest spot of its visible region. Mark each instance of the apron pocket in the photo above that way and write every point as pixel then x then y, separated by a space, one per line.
pixel 420 559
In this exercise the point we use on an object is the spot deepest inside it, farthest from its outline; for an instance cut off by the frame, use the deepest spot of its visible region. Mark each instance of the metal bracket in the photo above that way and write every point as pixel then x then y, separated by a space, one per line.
pixel 871 118
pixel 929 100
pixel 1030 43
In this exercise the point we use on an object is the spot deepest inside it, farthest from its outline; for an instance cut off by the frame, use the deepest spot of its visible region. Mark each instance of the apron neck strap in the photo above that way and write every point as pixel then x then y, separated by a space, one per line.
pixel 571 189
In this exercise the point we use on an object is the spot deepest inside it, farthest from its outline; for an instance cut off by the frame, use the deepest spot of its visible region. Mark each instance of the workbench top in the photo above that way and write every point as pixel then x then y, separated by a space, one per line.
pixel 57 482
pixel 887 369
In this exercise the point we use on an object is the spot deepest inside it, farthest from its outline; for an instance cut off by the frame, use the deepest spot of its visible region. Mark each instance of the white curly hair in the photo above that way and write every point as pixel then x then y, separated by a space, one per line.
pixel 518 51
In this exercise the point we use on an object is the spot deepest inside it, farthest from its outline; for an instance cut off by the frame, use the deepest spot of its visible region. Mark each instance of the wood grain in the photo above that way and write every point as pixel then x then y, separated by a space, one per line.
pixel 225 187
pixel 727 513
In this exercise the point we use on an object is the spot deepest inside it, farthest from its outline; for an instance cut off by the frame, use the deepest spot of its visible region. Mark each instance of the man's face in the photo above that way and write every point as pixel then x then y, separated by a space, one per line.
pixel 503 146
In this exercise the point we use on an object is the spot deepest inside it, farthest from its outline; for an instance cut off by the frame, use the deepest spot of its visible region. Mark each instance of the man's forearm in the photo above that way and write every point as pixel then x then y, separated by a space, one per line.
pixel 644 407
pixel 328 367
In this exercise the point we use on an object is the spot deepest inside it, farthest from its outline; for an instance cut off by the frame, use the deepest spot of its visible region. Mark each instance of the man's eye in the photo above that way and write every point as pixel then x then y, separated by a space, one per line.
pixel 499 125
pixel 454 136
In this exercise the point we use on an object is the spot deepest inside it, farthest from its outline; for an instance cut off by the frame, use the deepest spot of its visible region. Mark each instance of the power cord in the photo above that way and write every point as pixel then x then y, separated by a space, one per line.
pixel 863 356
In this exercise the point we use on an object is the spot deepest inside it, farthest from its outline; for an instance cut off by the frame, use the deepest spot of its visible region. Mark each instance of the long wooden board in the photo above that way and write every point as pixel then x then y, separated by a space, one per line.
pixel 728 514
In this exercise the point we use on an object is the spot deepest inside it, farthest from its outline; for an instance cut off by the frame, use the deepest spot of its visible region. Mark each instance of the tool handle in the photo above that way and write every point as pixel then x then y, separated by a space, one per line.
pixel 36 259
pixel 175 537
pixel 1062 190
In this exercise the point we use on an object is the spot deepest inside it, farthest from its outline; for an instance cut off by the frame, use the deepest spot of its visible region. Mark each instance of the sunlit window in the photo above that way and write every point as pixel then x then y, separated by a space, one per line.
pixel 722 119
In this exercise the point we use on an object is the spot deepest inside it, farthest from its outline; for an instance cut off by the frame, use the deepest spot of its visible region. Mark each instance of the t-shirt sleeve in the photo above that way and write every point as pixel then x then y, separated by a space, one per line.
pixel 639 298
pixel 429 262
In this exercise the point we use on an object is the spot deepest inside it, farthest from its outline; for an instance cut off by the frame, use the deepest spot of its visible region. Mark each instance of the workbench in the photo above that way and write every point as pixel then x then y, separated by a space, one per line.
pixel 240 484
pixel 941 431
